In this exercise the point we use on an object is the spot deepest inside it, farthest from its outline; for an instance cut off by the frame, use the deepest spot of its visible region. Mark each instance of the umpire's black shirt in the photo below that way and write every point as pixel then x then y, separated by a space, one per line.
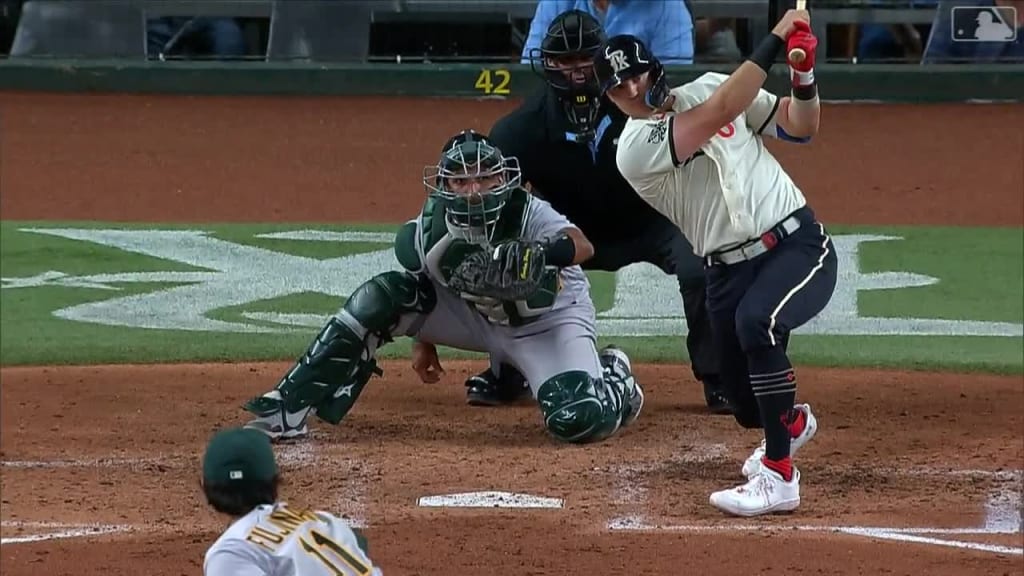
pixel 580 180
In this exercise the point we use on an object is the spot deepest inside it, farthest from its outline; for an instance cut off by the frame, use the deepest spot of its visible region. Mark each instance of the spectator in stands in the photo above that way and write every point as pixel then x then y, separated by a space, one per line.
pixel 714 39
pixel 881 42
pixel 192 37
pixel 665 26
pixel 944 47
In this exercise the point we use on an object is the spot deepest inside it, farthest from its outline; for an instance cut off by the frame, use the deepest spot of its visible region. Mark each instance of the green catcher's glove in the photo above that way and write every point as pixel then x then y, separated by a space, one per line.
pixel 510 271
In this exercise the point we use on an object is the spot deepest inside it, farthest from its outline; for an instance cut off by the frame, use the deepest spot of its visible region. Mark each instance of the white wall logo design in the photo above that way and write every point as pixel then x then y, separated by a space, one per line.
pixel 647 301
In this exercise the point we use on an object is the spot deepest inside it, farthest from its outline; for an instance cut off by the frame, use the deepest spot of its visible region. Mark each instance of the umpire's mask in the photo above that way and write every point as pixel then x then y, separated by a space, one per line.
pixel 566 55
pixel 473 180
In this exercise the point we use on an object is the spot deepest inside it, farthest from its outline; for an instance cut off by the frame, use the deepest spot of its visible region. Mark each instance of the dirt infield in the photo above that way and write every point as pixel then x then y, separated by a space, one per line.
pixel 911 473
pixel 207 159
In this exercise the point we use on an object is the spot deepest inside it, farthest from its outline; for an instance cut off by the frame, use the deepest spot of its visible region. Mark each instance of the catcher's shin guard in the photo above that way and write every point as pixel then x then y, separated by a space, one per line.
pixel 334 370
pixel 578 408
pixel 337 364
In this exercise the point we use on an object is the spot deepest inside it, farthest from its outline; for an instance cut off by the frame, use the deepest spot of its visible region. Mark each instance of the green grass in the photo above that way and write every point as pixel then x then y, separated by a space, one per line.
pixel 981 273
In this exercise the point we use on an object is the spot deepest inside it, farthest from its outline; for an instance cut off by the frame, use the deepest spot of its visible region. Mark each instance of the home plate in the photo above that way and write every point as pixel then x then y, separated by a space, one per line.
pixel 489 500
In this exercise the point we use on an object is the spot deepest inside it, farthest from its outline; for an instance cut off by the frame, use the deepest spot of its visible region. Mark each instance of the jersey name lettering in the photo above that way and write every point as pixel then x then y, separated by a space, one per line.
pixel 265 538
pixel 286 520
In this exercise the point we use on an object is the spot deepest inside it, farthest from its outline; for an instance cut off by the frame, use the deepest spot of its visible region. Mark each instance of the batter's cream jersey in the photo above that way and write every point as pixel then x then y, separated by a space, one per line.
pixel 730 191
pixel 274 540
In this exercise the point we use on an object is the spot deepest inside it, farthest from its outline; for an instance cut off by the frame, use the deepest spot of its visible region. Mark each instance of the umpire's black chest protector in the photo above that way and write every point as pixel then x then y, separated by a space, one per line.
pixel 579 179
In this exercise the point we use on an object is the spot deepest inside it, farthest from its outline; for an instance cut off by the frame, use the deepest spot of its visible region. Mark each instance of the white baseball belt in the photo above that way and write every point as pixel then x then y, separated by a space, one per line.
pixel 756 247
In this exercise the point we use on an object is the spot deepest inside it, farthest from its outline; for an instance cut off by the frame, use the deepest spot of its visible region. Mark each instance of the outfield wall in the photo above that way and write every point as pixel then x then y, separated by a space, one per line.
pixel 884 82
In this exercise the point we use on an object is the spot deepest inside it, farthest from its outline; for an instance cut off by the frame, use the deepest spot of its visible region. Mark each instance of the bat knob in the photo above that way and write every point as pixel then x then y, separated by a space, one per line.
pixel 797 55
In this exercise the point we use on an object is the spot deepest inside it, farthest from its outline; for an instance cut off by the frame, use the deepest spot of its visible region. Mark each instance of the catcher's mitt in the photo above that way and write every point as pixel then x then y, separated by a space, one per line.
pixel 511 271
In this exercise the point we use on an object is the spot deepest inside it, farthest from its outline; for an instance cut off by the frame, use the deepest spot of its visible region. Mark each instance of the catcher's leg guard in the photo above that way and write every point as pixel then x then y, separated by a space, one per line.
pixel 578 408
pixel 332 373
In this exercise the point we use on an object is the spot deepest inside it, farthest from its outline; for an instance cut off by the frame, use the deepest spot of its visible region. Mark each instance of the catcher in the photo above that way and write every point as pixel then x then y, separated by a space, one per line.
pixel 488 268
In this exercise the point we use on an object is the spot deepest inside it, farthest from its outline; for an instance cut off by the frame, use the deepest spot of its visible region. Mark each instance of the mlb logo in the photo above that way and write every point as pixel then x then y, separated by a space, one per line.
pixel 984 24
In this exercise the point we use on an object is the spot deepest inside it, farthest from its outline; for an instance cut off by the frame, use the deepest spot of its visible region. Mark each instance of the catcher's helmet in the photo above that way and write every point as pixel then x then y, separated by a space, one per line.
pixel 623 57
pixel 572 34
pixel 473 179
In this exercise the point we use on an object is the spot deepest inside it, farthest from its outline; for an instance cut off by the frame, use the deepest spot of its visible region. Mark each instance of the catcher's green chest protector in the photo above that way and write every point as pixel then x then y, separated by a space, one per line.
pixel 426 246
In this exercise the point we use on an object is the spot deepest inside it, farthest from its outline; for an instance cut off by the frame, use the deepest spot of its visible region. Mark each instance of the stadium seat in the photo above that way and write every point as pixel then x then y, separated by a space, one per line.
pixel 80 29
pixel 323 30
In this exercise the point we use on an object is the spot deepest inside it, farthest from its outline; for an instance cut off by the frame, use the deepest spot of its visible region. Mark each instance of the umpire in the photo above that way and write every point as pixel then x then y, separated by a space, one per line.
pixel 565 138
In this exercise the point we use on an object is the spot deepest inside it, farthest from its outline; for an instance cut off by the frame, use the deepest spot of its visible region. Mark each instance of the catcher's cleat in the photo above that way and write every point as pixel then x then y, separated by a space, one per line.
pixel 273 421
pixel 616 365
pixel 714 397
pixel 487 389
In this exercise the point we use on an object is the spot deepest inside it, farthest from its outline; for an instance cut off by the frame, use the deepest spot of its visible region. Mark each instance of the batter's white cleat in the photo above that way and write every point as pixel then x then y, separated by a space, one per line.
pixel 764 493
pixel 616 365
pixel 274 421
pixel 752 465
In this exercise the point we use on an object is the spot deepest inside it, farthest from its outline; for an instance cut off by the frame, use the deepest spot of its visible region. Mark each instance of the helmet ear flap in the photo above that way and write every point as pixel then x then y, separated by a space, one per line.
pixel 657 94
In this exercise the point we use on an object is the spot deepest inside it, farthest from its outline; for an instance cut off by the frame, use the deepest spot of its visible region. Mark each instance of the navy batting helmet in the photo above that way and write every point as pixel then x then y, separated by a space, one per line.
pixel 623 57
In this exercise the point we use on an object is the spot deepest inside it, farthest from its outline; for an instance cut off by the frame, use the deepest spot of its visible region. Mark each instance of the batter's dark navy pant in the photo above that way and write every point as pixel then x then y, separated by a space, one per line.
pixel 754 304
pixel 662 244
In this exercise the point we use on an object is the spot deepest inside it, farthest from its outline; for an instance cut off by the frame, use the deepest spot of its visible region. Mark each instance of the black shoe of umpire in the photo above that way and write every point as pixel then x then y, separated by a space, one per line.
pixel 715 398
pixel 486 389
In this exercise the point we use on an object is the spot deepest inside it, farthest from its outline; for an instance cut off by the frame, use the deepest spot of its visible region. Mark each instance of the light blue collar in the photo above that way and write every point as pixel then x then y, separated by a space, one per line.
pixel 593 144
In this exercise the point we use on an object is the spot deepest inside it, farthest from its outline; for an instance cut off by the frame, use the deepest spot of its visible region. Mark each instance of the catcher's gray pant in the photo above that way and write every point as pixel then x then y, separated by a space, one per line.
pixel 562 340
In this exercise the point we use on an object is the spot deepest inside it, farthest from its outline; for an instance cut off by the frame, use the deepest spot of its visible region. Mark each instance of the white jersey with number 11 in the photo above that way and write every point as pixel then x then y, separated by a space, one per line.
pixel 274 540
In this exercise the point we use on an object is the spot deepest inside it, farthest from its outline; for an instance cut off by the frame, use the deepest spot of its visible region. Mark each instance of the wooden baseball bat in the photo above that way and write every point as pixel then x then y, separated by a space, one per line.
pixel 797 54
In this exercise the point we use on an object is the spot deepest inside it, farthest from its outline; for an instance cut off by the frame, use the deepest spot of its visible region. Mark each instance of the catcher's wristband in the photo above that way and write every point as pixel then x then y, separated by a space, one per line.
pixel 560 252
pixel 766 52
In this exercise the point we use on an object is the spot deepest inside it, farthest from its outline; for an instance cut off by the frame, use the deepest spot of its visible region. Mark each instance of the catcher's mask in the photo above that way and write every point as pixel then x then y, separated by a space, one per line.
pixel 566 55
pixel 623 57
pixel 473 179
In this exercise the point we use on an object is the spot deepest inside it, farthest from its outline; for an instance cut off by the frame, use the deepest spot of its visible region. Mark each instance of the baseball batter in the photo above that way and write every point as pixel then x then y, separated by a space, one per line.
pixel 267 537
pixel 480 236
pixel 696 153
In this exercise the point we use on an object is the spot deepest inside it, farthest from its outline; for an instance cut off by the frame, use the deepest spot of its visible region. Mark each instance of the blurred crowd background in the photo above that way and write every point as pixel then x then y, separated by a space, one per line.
pixel 679 31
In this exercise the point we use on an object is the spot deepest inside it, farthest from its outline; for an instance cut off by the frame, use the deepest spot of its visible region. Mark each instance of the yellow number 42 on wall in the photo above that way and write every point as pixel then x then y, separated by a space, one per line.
pixel 494 81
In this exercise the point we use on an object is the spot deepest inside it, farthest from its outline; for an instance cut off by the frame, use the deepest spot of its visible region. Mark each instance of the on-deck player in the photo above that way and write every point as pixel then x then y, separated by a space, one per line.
pixel 695 153
pixel 266 536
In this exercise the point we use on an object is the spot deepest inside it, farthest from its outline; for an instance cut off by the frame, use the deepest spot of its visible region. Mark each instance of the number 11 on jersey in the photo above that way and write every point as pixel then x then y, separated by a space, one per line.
pixel 333 555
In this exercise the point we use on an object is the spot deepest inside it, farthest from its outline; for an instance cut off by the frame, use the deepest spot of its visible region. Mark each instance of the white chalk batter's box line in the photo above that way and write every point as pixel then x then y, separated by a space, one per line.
pixel 298 455
pixel 58 531
pixel 1002 510
pixel 288 455
pixel 912 535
